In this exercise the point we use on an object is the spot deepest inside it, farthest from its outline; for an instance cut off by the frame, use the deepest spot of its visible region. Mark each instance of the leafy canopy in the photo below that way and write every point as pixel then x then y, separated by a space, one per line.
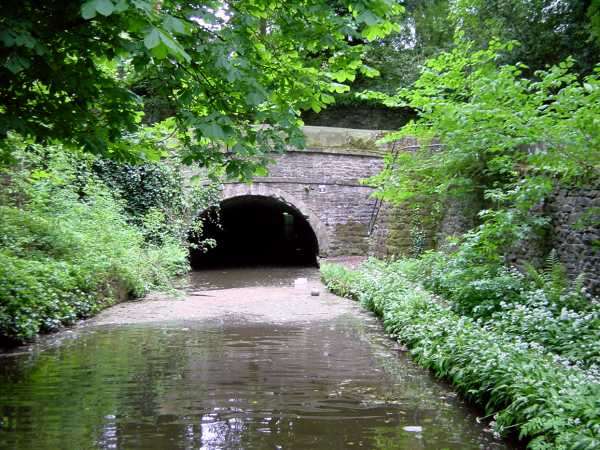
pixel 550 31
pixel 235 74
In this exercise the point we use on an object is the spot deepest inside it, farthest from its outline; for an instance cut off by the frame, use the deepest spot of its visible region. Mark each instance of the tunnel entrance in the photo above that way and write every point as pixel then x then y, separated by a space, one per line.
pixel 255 230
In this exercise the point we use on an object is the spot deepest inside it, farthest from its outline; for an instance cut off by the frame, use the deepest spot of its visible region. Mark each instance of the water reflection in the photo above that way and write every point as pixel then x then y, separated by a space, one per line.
pixel 247 277
pixel 231 385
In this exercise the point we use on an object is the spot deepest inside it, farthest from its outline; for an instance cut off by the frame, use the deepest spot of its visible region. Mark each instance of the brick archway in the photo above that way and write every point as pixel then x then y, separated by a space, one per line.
pixel 232 190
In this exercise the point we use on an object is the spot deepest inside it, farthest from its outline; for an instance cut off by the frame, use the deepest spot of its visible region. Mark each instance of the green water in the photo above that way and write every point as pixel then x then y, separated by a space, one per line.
pixel 228 384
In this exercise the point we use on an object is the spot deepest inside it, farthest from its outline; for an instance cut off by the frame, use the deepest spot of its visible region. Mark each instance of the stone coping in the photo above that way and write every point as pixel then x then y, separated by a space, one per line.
pixel 344 140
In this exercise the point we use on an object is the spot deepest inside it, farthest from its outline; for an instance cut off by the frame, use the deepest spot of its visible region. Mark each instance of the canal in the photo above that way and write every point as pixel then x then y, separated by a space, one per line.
pixel 246 359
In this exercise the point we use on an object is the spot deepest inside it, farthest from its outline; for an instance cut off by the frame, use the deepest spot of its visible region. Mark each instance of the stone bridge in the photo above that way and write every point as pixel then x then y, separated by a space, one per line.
pixel 319 185
pixel 312 203
pixel 322 182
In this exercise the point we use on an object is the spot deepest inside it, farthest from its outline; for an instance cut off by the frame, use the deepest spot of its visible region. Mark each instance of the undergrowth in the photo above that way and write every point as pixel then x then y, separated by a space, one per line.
pixel 529 359
pixel 67 248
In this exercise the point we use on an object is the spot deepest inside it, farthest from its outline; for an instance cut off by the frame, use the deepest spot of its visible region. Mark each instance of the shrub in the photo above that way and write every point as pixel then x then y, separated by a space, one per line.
pixel 67 248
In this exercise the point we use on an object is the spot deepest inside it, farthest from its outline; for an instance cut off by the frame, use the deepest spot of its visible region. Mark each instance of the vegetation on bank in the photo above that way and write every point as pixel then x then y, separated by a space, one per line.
pixel 527 352
pixel 70 245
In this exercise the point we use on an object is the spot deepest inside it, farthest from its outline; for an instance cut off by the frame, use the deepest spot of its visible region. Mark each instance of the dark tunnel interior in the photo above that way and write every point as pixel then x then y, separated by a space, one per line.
pixel 256 231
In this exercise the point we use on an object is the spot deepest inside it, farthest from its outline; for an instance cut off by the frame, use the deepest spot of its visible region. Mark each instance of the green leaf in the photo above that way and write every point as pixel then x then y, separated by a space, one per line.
pixel 212 130
pixel 162 44
pixel 254 98
pixel 174 47
pixel 368 18
pixel 8 37
pixel 232 169
pixel 339 88
pixel 343 75
pixel 175 25
pixel 369 71
pixel 88 10
pixel 121 6
pixel 327 99
pixel 371 32
pixel 261 171
pixel 160 51
pixel 91 7
pixel 105 7
pixel 152 39
pixel 16 63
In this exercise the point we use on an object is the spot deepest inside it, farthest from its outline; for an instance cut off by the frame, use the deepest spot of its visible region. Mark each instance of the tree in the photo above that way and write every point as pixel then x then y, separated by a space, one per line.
pixel 503 136
pixel 424 30
pixel 233 74
pixel 549 31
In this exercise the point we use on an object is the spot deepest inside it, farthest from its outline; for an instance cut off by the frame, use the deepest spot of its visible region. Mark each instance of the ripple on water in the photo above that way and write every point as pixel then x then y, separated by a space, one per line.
pixel 230 385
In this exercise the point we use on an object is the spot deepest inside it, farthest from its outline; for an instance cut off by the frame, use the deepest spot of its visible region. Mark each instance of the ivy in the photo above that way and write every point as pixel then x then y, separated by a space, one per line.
pixel 158 188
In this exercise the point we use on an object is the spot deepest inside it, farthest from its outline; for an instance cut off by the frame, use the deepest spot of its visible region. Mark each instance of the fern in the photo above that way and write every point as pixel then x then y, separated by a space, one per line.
pixel 534 275
pixel 552 278
pixel 557 281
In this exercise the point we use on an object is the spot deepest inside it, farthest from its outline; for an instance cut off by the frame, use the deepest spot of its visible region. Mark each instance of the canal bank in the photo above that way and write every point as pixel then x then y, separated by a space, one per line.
pixel 527 387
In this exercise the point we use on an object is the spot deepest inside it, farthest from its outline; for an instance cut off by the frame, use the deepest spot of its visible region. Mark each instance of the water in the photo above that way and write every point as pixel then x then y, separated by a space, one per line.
pixel 229 383
pixel 248 277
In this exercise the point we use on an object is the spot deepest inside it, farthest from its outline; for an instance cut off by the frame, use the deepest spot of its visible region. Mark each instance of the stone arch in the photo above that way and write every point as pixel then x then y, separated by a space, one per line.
pixel 232 190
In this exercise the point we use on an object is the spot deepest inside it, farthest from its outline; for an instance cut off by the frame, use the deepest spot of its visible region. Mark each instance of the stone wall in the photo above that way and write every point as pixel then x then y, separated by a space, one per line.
pixel 401 231
pixel 363 116
pixel 575 232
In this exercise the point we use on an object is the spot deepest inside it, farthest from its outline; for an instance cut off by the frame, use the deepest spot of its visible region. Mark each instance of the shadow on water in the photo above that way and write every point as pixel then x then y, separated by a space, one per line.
pixel 240 277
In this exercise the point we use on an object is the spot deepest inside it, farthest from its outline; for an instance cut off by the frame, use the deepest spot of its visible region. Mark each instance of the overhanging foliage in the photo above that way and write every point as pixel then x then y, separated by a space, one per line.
pixel 223 68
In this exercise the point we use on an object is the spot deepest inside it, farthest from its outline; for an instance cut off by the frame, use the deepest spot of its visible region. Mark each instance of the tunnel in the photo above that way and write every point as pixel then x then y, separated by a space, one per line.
pixel 254 230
